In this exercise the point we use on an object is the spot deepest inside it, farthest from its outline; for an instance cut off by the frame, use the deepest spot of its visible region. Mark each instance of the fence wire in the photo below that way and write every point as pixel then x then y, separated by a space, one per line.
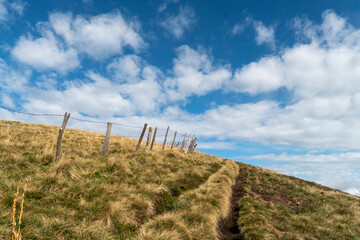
pixel 32 114
pixel 118 129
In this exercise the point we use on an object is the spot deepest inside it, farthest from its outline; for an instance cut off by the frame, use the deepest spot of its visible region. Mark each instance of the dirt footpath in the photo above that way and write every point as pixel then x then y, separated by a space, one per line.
pixel 228 228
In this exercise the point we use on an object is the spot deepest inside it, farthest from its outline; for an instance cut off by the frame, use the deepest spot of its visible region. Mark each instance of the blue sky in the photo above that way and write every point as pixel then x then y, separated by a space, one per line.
pixel 271 83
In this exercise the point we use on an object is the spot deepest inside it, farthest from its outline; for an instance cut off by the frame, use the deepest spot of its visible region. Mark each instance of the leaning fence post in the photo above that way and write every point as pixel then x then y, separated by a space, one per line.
pixel 107 138
pixel 188 144
pixel 167 132
pixel 141 137
pixel 148 139
pixel 61 132
pixel 153 140
pixel 183 143
pixel 172 144
pixel 193 145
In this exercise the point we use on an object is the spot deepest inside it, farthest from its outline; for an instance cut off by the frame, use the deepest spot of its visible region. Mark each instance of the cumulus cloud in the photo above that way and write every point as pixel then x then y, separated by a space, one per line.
pixel 264 75
pixel 12 80
pixel 99 96
pixel 264 34
pixel 98 36
pixel 126 68
pixel 194 74
pixel 140 82
pixel 64 37
pixel 178 24
pixel 95 96
pixel 45 53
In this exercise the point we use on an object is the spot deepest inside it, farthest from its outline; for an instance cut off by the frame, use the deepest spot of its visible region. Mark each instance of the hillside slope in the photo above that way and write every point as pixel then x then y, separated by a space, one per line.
pixel 154 195
pixel 276 206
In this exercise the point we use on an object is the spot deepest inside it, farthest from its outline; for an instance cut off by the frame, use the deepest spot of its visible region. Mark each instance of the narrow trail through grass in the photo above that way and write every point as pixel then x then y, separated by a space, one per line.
pixel 228 227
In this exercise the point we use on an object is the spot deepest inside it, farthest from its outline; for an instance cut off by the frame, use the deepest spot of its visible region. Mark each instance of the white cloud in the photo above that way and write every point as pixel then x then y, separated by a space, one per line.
pixel 7 9
pixel 138 81
pixel 194 74
pixel 7 100
pixel 165 4
pixel 45 53
pixel 17 6
pixel 353 191
pixel 347 157
pixel 216 145
pixel 3 11
pixel 12 80
pixel 178 24
pixel 126 68
pixel 99 96
pixel 98 36
pixel 238 28
pixel 264 75
pixel 96 97
pixel 146 95
pixel 264 34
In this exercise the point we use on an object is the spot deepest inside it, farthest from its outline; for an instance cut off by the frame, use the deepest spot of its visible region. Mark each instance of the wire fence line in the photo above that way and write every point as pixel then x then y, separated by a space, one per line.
pixel 147 135
pixel 32 114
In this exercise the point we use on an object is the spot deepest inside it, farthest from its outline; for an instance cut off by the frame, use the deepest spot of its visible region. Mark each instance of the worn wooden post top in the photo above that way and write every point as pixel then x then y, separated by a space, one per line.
pixel 107 138
pixel 172 144
pixel 61 132
pixel 153 140
pixel 148 139
pixel 141 138
pixel 167 132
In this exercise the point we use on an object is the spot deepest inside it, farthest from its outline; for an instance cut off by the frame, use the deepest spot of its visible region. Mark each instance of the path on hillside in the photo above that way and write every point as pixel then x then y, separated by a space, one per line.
pixel 228 228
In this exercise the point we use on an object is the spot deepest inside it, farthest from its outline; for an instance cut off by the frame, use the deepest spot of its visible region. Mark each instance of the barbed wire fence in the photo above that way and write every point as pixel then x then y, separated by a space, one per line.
pixel 94 128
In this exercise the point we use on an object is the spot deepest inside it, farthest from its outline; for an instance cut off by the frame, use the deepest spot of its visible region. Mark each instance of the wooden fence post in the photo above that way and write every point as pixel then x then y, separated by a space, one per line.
pixel 148 139
pixel 167 132
pixel 193 145
pixel 61 132
pixel 153 140
pixel 107 138
pixel 183 143
pixel 188 144
pixel 141 137
pixel 172 145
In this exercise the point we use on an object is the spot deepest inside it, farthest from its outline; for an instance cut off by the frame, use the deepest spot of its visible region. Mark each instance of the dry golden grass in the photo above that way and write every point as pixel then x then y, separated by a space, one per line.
pixel 198 211
pixel 125 190
pixel 277 206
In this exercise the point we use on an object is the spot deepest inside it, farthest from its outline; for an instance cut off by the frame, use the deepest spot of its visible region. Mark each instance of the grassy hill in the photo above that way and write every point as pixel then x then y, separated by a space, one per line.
pixel 155 195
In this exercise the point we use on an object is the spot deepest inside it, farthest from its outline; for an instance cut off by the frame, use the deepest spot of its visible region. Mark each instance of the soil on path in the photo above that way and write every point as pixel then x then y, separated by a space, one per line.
pixel 228 227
